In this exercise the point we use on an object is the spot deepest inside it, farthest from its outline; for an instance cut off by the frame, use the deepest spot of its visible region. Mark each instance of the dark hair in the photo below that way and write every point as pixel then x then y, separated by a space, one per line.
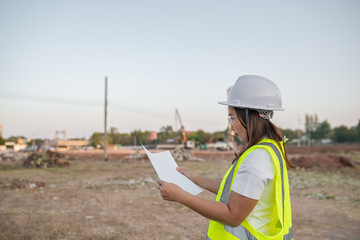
pixel 259 128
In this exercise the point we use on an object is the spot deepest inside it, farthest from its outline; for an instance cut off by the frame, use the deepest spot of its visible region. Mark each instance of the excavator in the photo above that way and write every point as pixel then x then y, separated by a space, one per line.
pixel 188 144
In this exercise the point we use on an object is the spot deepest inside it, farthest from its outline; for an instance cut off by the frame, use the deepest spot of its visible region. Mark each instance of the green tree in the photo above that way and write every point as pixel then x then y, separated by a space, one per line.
pixel 358 132
pixel 15 138
pixel 117 139
pixel 311 123
pixel 200 136
pixel 127 139
pixel 166 133
pixel 2 141
pixel 95 139
pixel 352 135
pixel 139 136
pixel 344 135
pixel 322 131
pixel 112 135
pixel 98 139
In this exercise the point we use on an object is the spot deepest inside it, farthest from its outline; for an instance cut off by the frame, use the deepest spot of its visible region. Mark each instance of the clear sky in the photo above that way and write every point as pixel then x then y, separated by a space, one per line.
pixel 165 55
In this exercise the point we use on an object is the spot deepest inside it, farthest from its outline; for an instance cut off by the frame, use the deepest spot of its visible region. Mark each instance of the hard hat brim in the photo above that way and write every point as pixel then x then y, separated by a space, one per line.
pixel 237 105
pixel 225 103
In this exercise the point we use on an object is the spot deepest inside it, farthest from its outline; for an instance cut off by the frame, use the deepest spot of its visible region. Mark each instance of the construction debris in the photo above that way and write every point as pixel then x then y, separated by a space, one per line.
pixel 136 157
pixel 179 154
pixel 182 154
pixel 46 159
pixel 12 156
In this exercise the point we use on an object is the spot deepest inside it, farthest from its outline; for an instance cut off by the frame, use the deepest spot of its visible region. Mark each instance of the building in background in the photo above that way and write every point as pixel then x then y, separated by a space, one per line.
pixel 60 145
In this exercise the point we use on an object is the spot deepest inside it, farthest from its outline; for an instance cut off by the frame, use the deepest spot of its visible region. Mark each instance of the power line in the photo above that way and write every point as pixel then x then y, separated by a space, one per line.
pixel 80 102
pixel 114 106
pixel 48 99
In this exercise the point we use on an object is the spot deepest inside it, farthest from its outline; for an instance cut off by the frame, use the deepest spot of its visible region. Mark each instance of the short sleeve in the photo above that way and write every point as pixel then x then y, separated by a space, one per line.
pixel 255 172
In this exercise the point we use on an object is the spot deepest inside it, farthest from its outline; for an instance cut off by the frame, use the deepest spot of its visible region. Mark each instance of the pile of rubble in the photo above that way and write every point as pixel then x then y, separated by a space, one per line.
pixel 179 154
pixel 45 160
pixel 136 157
pixel 325 161
pixel 12 156
pixel 182 154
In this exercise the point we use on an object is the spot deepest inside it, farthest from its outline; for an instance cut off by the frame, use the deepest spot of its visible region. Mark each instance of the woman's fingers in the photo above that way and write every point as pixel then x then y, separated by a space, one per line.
pixel 186 172
pixel 163 189
pixel 168 191
pixel 160 182
pixel 183 170
pixel 180 169
pixel 160 187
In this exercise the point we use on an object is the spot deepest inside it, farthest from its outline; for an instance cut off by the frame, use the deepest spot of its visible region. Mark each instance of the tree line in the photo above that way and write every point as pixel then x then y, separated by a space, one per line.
pixel 314 130
pixel 165 134
pixel 317 131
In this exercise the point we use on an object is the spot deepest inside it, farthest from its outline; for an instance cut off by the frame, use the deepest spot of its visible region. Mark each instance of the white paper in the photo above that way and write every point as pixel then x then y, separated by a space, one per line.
pixel 165 167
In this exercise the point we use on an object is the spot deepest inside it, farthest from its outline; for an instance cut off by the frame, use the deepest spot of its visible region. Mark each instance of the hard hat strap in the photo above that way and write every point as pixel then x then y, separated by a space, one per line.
pixel 247 122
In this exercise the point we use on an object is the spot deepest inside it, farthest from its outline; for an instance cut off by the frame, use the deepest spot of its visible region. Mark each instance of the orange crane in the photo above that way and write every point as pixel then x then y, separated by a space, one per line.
pixel 187 143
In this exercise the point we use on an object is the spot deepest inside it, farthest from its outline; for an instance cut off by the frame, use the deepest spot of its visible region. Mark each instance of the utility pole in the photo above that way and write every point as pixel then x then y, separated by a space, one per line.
pixel 175 129
pixel 105 121
pixel 299 126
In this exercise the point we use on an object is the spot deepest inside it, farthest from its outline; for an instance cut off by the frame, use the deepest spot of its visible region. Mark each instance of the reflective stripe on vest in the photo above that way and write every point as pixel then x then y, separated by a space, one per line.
pixel 240 231
pixel 278 154
pixel 243 234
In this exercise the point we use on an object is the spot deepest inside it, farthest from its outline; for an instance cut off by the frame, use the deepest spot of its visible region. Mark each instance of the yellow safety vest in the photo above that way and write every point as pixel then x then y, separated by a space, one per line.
pixel 283 227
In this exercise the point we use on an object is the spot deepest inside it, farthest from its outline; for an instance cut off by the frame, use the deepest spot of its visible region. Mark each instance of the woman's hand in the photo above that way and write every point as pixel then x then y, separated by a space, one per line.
pixel 170 191
pixel 187 173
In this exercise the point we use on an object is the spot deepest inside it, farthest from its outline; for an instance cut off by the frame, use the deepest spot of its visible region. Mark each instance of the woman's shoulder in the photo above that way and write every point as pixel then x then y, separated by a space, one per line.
pixel 258 154
pixel 259 160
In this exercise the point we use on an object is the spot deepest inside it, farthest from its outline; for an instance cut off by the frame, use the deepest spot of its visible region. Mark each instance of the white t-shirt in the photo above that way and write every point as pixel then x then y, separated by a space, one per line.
pixel 254 179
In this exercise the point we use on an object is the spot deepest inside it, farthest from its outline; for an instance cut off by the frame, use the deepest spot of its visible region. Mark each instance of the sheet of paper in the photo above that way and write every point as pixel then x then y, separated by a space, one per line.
pixel 165 167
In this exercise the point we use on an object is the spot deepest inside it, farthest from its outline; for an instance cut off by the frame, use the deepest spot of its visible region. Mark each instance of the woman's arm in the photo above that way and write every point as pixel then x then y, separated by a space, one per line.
pixel 211 185
pixel 233 213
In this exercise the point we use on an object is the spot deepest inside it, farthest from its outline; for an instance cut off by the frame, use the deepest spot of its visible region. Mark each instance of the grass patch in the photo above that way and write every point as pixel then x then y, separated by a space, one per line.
pixel 7 167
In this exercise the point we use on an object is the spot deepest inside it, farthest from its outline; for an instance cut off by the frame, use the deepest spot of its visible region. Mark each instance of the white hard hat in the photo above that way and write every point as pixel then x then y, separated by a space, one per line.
pixel 254 92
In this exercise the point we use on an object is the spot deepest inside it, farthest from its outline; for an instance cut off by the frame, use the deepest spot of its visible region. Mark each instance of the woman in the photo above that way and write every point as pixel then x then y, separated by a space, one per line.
pixel 253 200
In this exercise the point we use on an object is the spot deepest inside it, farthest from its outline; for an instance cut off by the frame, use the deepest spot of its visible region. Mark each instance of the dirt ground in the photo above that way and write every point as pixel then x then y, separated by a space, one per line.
pixel 119 199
